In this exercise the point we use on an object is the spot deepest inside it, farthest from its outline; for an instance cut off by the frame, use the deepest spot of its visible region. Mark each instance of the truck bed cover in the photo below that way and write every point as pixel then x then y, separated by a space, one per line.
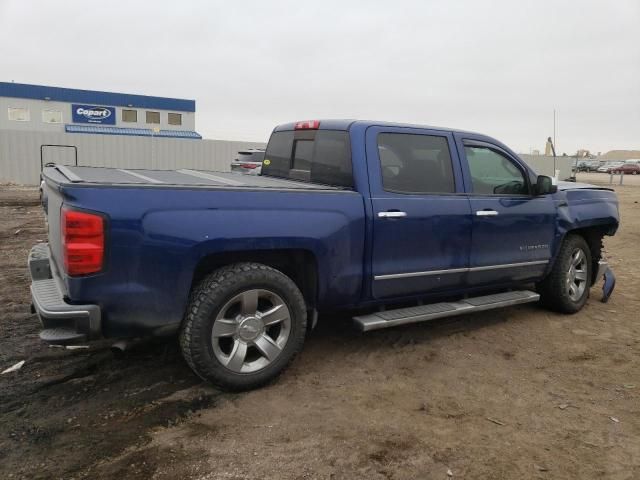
pixel 93 176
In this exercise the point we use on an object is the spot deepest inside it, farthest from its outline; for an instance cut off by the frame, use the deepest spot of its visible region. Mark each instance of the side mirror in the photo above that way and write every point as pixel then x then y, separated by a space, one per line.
pixel 544 185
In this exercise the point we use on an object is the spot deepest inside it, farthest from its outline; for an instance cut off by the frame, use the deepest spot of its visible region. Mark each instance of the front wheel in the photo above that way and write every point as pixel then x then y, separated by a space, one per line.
pixel 566 288
pixel 244 324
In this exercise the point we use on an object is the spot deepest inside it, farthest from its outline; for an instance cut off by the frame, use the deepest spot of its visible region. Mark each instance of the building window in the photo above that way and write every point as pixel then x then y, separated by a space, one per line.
pixel 19 114
pixel 130 116
pixel 52 116
pixel 153 117
pixel 175 119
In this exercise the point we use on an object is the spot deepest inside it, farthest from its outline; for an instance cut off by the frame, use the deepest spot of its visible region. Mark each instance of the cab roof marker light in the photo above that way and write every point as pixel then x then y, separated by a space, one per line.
pixel 307 125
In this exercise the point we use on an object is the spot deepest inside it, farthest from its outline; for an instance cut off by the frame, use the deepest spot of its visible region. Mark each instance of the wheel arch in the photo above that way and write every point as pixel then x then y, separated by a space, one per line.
pixel 298 264
pixel 593 235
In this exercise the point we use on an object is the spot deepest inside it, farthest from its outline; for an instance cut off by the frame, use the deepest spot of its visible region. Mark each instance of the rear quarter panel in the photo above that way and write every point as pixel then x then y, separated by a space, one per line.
pixel 157 237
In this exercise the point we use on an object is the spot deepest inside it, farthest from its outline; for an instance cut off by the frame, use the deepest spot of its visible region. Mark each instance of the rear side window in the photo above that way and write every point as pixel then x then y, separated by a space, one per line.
pixel 415 163
pixel 318 156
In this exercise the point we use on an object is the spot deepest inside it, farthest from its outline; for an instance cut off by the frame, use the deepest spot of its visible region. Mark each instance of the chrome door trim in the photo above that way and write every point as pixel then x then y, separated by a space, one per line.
pixel 508 265
pixel 392 276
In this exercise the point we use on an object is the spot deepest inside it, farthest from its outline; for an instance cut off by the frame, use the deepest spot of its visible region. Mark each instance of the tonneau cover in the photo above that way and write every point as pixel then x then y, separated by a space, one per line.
pixel 182 178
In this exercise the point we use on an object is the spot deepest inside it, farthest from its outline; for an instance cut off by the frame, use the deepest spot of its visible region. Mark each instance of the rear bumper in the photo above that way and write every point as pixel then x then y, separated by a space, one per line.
pixel 63 322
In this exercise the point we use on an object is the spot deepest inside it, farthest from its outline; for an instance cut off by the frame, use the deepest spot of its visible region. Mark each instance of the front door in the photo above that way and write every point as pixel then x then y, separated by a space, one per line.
pixel 421 215
pixel 513 229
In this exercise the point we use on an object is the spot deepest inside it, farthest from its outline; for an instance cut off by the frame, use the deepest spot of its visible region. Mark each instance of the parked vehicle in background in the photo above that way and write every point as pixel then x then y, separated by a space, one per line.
pixel 347 215
pixel 609 166
pixel 591 165
pixel 627 168
pixel 587 166
pixel 248 161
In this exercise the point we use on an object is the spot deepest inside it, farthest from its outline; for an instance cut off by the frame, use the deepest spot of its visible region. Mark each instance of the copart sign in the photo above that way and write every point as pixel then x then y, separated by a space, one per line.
pixel 93 114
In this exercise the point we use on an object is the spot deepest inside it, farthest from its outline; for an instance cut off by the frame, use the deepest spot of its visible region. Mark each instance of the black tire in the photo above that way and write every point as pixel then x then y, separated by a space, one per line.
pixel 213 294
pixel 554 289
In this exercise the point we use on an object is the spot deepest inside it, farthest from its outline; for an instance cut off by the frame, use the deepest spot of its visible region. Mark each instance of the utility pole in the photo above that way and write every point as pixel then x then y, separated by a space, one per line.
pixel 554 141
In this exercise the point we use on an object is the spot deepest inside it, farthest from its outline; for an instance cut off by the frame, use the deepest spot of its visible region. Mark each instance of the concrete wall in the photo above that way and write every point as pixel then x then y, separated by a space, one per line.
pixel 20 153
pixel 36 107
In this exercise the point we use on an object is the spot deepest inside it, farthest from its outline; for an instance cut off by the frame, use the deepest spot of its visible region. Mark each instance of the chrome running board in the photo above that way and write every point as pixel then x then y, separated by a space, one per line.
pixel 423 313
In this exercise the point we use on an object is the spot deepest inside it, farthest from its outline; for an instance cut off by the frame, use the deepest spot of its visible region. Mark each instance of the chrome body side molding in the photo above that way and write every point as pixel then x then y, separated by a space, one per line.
pixel 392 276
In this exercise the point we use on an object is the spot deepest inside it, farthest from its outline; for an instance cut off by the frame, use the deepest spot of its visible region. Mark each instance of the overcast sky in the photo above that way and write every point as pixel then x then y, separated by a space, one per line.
pixel 497 67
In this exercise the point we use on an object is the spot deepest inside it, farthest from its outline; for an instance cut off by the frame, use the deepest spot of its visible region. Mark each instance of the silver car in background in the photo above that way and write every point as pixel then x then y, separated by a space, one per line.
pixel 248 162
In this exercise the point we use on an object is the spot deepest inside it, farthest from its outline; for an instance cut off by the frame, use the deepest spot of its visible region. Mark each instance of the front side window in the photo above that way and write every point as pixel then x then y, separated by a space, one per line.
pixel 174 118
pixel 415 164
pixel 492 173
pixel 18 114
pixel 153 117
pixel 129 116
pixel 51 116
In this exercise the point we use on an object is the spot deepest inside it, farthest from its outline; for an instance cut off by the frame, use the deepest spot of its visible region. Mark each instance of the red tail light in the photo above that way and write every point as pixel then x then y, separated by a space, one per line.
pixel 82 242
pixel 307 125
pixel 249 166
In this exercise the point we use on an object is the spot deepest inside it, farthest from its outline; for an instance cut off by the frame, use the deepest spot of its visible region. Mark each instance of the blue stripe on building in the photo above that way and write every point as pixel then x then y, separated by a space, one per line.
pixel 139 132
pixel 93 97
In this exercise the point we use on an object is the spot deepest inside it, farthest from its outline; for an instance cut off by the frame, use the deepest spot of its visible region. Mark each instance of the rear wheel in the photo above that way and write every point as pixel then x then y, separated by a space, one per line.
pixel 566 288
pixel 244 324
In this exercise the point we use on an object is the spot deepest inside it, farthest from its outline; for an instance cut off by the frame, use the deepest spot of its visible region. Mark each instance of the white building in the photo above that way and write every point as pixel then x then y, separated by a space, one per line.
pixel 41 124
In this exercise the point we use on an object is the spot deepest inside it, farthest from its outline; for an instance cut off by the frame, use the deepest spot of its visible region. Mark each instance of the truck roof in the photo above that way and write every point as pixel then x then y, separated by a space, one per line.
pixel 347 124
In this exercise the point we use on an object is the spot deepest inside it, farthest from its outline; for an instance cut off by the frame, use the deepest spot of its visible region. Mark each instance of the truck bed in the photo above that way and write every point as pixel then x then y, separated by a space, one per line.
pixel 96 176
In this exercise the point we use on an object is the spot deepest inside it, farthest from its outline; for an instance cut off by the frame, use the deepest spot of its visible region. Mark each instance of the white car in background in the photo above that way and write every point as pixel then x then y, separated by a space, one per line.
pixel 248 162
pixel 607 167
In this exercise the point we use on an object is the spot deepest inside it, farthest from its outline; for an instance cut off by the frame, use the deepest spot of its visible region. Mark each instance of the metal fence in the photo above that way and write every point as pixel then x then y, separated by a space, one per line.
pixel 21 153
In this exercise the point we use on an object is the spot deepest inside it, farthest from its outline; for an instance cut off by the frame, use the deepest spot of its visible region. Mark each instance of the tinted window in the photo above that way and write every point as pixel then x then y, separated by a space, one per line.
pixel 332 159
pixel 319 156
pixel 415 163
pixel 278 155
pixel 493 173
pixel 302 151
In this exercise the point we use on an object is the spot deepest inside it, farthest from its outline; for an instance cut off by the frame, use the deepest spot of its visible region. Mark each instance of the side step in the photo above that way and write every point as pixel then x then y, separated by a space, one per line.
pixel 402 316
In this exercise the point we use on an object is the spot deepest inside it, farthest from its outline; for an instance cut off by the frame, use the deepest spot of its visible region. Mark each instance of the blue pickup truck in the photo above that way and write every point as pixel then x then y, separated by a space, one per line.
pixel 395 223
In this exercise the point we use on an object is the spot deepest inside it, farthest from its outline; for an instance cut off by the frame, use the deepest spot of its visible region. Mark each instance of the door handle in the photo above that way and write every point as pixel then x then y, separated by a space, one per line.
pixel 486 213
pixel 392 214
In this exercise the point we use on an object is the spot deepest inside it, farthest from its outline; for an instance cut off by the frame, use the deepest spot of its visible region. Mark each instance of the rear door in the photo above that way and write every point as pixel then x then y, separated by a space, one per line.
pixel 421 215
pixel 513 229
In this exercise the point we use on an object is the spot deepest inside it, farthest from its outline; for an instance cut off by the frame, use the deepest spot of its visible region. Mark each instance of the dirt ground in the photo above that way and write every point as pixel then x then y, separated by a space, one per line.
pixel 515 393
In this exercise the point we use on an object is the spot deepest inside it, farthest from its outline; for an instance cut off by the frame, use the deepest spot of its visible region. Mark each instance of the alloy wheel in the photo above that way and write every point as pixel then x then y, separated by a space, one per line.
pixel 251 330
pixel 577 275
